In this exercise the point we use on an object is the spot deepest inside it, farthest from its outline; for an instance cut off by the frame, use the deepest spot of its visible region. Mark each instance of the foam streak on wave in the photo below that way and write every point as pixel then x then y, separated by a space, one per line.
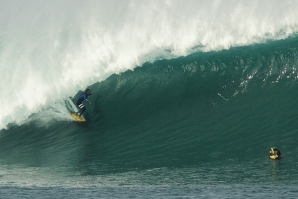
pixel 50 50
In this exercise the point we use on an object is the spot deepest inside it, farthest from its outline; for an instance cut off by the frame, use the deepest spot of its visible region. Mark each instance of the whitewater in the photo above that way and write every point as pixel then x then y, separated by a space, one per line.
pixel 51 50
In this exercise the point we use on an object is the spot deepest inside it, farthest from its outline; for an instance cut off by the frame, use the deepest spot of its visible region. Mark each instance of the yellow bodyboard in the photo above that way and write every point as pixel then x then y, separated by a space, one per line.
pixel 77 118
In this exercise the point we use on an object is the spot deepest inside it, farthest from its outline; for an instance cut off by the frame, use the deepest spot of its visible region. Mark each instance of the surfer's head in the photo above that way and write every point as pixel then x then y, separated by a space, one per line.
pixel 87 90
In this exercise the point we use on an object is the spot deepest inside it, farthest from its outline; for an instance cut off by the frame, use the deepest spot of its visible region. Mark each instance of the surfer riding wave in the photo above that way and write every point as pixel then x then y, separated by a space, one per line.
pixel 82 97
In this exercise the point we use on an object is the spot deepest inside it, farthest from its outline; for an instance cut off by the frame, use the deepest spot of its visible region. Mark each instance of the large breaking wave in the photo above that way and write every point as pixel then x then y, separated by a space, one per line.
pixel 49 51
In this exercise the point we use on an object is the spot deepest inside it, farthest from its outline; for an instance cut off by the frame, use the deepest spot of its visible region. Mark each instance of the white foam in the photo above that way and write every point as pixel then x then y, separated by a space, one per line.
pixel 50 50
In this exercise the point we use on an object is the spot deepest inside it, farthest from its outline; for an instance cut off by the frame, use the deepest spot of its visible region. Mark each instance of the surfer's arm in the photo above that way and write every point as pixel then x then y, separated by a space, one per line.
pixel 85 97
pixel 87 100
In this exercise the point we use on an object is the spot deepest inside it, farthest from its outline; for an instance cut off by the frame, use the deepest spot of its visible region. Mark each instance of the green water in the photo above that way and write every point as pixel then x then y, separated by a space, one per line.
pixel 194 126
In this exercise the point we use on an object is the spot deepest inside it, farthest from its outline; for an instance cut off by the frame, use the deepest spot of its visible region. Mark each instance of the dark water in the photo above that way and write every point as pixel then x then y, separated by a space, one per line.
pixel 200 125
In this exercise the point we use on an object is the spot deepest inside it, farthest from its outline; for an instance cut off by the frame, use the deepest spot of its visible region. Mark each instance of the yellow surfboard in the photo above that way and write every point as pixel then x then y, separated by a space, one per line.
pixel 77 118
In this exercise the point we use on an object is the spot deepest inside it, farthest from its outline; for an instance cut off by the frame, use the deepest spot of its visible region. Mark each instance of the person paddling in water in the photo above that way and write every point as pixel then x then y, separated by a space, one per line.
pixel 81 98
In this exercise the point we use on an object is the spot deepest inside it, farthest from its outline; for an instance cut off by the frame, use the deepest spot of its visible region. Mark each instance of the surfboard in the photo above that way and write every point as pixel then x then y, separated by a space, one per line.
pixel 77 118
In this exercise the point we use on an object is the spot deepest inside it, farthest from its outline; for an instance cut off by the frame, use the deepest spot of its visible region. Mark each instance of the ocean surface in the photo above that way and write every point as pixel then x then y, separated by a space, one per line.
pixel 189 98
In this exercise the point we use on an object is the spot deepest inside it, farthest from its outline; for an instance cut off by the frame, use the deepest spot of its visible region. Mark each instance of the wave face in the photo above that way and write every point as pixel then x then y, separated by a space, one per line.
pixel 207 96
pixel 49 51
pixel 206 111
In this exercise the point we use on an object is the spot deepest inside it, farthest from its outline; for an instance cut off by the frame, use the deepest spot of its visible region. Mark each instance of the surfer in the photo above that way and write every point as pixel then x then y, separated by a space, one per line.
pixel 80 100
pixel 274 153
